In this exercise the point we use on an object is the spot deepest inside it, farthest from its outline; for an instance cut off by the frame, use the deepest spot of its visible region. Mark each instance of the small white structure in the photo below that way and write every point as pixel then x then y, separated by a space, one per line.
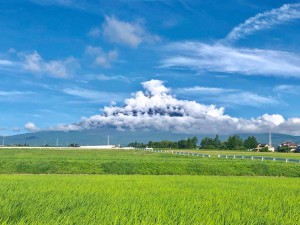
pixel 98 147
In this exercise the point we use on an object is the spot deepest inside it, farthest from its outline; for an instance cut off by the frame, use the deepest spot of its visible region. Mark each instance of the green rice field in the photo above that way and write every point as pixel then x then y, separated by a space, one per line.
pixel 49 161
pixel 47 186
pixel 112 199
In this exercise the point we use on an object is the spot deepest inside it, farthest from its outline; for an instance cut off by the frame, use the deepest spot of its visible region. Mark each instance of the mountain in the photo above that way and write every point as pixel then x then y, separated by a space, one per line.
pixel 99 137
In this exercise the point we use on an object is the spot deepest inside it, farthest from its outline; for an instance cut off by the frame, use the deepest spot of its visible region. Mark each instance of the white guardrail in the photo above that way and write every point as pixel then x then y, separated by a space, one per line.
pixel 261 158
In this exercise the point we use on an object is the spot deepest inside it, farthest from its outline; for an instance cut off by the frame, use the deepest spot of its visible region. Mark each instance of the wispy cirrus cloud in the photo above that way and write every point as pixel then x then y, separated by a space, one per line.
pixel 66 3
pixel 15 96
pixel 265 20
pixel 103 77
pixel 287 89
pixel 94 96
pixel 226 59
pixel 248 99
pixel 204 90
pixel 5 62
pixel 227 96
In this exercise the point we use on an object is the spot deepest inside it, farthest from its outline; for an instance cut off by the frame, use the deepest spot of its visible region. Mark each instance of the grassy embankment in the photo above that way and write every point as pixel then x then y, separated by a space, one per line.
pixel 48 161
pixel 109 199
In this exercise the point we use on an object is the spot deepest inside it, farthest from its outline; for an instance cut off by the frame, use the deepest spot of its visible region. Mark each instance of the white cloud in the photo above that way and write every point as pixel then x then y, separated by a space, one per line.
pixel 101 58
pixel 33 62
pixel 157 109
pixel 31 127
pixel 126 33
pixel 94 96
pixel 219 58
pixel 265 20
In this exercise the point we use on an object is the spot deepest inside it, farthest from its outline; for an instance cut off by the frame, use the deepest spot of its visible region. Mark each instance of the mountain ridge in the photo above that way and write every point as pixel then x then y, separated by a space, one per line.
pixel 118 137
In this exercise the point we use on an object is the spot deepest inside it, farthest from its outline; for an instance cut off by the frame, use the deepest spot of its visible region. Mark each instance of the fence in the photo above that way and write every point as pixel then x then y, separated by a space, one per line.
pixel 175 152
pixel 261 158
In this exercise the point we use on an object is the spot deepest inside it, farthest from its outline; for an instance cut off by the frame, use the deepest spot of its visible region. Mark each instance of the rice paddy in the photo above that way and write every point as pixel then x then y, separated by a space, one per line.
pixel 111 199
pixel 137 187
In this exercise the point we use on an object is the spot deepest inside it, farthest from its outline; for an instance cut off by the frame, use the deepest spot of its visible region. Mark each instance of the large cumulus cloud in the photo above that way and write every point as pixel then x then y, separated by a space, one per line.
pixel 156 108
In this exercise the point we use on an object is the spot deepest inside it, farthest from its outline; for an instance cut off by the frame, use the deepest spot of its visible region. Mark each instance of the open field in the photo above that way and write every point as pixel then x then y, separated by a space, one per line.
pixel 111 199
pixel 46 161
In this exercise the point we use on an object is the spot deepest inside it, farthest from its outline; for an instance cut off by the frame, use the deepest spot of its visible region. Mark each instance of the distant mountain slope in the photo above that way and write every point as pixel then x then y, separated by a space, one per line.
pixel 99 137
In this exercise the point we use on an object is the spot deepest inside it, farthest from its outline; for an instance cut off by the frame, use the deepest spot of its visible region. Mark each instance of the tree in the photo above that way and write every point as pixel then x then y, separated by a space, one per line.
pixel 207 143
pixel 235 142
pixel 182 144
pixel 283 149
pixel 192 142
pixel 250 142
pixel 217 142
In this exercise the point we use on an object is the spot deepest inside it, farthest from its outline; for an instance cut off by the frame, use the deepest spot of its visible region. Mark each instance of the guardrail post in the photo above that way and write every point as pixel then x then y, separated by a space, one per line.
pixel 286 160
pixel 234 156
pixel 243 157
pixel 226 156
pixel 274 159
pixel 262 158
pixel 252 158
pixel 208 156
pixel 219 156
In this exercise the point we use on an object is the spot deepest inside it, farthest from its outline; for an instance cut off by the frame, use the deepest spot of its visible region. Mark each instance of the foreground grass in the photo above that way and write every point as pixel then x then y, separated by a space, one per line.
pixel 110 199
pixel 47 161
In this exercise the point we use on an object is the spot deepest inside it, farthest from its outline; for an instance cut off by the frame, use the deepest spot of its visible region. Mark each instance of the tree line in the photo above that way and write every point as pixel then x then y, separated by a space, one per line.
pixel 189 143
pixel 234 142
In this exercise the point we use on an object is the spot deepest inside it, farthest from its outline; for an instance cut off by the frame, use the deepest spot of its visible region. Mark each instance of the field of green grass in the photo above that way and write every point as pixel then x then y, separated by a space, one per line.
pixel 137 199
pixel 56 186
pixel 49 161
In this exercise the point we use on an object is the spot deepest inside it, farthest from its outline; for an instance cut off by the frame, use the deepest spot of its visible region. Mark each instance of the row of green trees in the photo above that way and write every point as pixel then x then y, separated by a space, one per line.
pixel 234 142
pixel 189 143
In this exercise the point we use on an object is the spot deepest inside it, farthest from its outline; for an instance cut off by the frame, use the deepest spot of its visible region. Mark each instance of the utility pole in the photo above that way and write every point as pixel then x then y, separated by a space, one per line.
pixel 56 142
pixel 270 139
pixel 107 139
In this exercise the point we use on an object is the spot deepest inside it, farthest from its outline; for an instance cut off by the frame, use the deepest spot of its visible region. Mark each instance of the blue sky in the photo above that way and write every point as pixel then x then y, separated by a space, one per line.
pixel 67 65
